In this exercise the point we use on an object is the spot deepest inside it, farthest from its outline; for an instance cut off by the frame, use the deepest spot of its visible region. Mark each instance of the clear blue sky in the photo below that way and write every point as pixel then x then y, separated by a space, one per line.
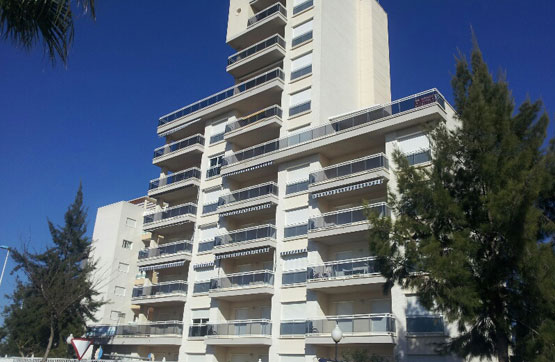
pixel 95 121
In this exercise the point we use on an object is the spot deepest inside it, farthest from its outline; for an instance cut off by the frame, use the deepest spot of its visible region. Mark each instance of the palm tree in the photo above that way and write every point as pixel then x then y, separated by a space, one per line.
pixel 50 22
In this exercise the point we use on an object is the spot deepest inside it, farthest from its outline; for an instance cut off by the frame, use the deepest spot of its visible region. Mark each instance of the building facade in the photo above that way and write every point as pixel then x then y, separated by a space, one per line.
pixel 256 248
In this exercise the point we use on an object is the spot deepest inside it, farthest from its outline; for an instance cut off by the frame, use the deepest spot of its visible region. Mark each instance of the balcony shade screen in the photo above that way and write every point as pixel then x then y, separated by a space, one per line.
pixel 212 196
pixel 296 216
pixel 300 97
pixel 243 253
pixel 294 262
pixel 291 252
pixel 248 169
pixel 162 266
pixel 413 143
pixel 301 62
pixel 297 174
pixel 218 128
pixel 200 313
pixel 293 311
pixel 302 29
pixel 247 209
pixel 203 274
pixel 415 308
pixel 208 233
pixel 362 185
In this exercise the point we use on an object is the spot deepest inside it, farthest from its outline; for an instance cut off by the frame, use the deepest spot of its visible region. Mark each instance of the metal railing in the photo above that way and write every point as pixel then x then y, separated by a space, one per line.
pixel 238 328
pixel 223 95
pixel 184 246
pixel 419 157
pixel 263 14
pixel 243 280
pixel 297 9
pixel 179 210
pixel 339 125
pixel 191 173
pixel 272 111
pixel 351 167
pixel 167 288
pixel 266 43
pixel 293 277
pixel 353 324
pixel 269 188
pixel 137 330
pixel 347 216
pixel 248 234
pixel 300 72
pixel 343 269
pixel 295 230
pixel 425 324
pixel 178 145
pixel 301 38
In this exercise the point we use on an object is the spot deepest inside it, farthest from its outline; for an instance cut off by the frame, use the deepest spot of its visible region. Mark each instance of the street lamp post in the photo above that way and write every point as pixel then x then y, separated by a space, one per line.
pixel 5 261
pixel 336 335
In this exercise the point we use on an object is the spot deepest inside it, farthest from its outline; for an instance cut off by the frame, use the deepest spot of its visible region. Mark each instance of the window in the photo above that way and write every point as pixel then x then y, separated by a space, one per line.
pixel 302 33
pixel 299 102
pixel 126 244
pixel 116 315
pixel 217 133
pixel 200 315
pixel 293 311
pixel 131 222
pixel 422 321
pixel 413 143
pixel 300 5
pixel 301 66
pixel 296 222
pixel 120 291
pixel 123 267
pixel 297 179
pixel 214 166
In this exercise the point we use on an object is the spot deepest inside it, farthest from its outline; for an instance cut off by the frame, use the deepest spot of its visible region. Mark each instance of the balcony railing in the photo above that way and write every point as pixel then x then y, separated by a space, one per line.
pixel 301 38
pixel 301 72
pixel 178 145
pixel 252 192
pixel 297 9
pixel 419 157
pixel 354 324
pixel 340 125
pixel 272 111
pixel 171 212
pixel 348 216
pixel 295 230
pixel 205 246
pixel 243 280
pixel 137 330
pixel 191 173
pixel 209 208
pixel 299 108
pixel 167 249
pixel 246 235
pixel 261 15
pixel 348 168
pixel 223 95
pixel 239 328
pixel 426 324
pixel 293 277
pixel 175 287
pixel 198 330
pixel 343 269
pixel 297 186
pixel 264 44
pixel 201 287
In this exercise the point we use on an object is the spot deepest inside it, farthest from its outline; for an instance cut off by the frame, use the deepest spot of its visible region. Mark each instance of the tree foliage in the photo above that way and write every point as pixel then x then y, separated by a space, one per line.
pixel 58 296
pixel 479 223
pixel 27 22
pixel 362 355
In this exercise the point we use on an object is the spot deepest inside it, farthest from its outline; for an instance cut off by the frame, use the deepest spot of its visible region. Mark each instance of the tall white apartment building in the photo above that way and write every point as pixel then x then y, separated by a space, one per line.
pixel 257 247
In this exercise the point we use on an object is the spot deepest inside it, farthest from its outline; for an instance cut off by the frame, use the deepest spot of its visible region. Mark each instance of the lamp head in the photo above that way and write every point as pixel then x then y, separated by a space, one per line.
pixel 337 334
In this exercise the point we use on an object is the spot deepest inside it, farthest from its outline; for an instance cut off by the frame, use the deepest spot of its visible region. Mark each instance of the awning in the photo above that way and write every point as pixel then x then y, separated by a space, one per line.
pixel 358 186
pixel 203 265
pixel 162 266
pixel 247 209
pixel 292 252
pixel 248 169
pixel 173 130
pixel 243 253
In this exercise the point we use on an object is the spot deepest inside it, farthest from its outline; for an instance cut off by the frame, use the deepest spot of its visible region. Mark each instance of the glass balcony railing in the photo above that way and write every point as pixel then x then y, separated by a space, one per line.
pixel 243 280
pixel 295 230
pixel 205 246
pixel 343 269
pixel 209 208
pixel 223 95
pixel 294 328
pixel 269 188
pixel 297 186
pixel 191 173
pixel 353 324
pixel 348 168
pixel 217 138
pixel 337 126
pixel 176 287
pixel 301 72
pixel 348 216
pixel 151 329
pixel 305 5
pixel 299 108
pixel 179 210
pixel 293 277
pixel 301 38
pixel 419 157
pixel 264 44
pixel 255 327
pixel 201 287
pixel 272 111
pixel 261 15
pixel 245 235
pixel 425 324
pixel 167 249
pixel 178 145
pixel 198 330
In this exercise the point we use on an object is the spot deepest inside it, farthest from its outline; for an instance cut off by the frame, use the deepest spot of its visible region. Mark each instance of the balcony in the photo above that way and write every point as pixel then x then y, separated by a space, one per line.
pixel 426 325
pixel 181 154
pixel 357 329
pixel 243 286
pixel 356 128
pixel 170 221
pixel 258 56
pixel 167 253
pixel 346 176
pixel 167 293
pixel 343 275
pixel 247 97
pixel 348 224
pixel 180 185
pixel 249 238
pixel 255 128
pixel 240 332
pixel 261 25
pixel 253 198
pixel 155 333
pixel 258 5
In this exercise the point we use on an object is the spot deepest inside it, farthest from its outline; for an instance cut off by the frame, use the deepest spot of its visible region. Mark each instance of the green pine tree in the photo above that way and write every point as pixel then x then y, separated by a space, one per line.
pixel 473 233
